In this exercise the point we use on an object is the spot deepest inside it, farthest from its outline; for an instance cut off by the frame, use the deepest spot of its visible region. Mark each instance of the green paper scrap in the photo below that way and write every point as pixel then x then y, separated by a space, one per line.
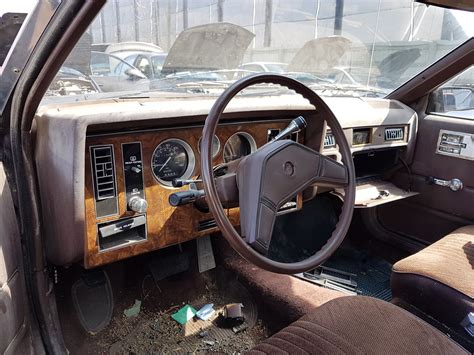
pixel 134 310
pixel 184 314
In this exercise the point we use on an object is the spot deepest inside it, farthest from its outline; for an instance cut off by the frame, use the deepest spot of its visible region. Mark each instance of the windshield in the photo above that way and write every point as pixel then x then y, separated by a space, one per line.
pixel 337 47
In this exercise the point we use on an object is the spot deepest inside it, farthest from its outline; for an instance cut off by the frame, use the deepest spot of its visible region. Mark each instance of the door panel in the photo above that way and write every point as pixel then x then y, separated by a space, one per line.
pixel 13 301
pixel 427 163
pixel 437 210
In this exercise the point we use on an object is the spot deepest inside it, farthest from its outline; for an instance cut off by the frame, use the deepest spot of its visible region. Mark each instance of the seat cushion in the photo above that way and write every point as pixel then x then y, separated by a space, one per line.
pixel 448 261
pixel 359 325
pixel 439 280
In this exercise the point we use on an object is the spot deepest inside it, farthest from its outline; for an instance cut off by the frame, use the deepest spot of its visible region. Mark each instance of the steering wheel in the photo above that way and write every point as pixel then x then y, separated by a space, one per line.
pixel 271 176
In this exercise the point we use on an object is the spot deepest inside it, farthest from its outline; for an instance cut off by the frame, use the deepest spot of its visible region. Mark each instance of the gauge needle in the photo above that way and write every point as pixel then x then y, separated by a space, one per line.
pixel 166 162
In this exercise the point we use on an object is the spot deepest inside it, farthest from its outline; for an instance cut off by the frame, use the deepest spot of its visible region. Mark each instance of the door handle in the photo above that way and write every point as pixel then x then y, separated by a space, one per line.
pixel 454 184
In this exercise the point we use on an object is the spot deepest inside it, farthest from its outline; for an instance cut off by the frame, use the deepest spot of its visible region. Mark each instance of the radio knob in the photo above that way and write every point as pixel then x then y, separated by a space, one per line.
pixel 138 204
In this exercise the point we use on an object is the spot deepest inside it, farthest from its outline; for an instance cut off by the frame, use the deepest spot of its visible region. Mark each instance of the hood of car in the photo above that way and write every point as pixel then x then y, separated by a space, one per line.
pixel 320 55
pixel 396 63
pixel 208 47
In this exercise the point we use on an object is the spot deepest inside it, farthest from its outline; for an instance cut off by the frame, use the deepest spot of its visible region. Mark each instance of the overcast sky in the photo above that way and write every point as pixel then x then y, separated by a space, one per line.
pixel 465 19
pixel 16 5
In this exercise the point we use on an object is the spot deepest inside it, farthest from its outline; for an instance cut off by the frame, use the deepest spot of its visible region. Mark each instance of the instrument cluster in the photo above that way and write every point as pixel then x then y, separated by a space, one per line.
pixel 174 158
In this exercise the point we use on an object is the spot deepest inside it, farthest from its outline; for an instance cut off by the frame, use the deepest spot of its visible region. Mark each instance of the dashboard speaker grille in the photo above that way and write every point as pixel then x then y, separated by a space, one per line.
pixel 104 172
pixel 394 134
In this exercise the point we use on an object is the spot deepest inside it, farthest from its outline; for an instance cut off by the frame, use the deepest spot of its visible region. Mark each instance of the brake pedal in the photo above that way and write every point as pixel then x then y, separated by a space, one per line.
pixel 206 260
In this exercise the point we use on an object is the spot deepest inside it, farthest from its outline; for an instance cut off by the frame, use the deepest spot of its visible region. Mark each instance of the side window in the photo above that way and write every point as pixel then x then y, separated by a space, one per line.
pixel 455 98
pixel 121 68
pixel 158 62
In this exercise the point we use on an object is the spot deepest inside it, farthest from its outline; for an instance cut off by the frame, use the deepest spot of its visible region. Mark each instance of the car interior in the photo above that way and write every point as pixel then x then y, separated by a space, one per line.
pixel 300 222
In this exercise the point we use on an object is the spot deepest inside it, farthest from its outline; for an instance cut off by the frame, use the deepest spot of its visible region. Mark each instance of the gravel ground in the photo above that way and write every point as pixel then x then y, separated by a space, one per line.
pixel 154 331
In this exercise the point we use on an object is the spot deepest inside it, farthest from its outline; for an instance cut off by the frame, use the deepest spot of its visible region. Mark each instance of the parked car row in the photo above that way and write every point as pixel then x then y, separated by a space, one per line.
pixel 144 66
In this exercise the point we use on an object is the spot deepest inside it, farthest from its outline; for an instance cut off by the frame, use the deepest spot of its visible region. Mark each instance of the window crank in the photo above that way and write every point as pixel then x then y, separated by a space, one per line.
pixel 454 184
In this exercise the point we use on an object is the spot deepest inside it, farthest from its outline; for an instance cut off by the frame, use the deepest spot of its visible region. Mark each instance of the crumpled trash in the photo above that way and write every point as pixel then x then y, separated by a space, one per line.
pixel 231 316
pixel 134 310
pixel 184 314
pixel 203 333
pixel 206 311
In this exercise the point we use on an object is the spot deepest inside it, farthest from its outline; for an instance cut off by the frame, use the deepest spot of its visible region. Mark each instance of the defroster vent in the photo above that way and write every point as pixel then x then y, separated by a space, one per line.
pixel 394 134
pixel 329 141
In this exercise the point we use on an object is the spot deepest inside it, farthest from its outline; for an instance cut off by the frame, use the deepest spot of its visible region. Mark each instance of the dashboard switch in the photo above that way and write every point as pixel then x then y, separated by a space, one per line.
pixel 133 172
pixel 138 204
pixel 181 183
pixel 185 197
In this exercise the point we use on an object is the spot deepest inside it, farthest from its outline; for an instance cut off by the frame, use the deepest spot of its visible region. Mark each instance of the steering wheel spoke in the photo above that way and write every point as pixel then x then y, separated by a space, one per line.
pixel 331 173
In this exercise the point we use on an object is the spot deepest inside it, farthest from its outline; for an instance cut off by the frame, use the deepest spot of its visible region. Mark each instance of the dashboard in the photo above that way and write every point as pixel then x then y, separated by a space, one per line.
pixel 143 164
pixel 106 169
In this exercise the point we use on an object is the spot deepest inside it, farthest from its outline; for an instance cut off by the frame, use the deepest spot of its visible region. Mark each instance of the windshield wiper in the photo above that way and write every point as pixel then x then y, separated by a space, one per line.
pixel 204 84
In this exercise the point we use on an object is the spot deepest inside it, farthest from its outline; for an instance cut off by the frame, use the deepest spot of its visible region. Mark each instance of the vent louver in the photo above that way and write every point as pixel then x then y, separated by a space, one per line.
pixel 329 141
pixel 104 172
pixel 394 134
pixel 206 224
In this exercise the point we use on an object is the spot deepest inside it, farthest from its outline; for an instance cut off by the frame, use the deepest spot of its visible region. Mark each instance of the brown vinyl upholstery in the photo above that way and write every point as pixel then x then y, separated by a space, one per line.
pixel 359 325
pixel 439 280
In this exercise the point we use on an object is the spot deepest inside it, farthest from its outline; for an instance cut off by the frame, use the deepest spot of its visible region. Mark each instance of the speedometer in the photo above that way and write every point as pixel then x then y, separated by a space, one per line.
pixel 172 159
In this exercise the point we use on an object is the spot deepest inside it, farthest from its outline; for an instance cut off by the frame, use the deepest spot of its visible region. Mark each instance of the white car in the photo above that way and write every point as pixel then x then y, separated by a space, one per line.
pixel 268 67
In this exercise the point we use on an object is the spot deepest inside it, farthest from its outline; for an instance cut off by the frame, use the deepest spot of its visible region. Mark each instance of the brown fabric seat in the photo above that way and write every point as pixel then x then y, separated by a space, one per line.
pixel 359 325
pixel 439 280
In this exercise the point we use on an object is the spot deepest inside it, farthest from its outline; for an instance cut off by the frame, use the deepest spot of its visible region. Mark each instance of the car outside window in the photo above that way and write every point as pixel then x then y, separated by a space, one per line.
pixel 368 48
pixel 455 98
pixel 157 62
pixel 253 68
pixel 143 64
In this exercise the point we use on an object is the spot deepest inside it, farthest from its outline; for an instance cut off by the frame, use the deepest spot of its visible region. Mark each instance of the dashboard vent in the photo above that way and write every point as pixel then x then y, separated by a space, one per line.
pixel 206 224
pixel 329 141
pixel 104 172
pixel 394 134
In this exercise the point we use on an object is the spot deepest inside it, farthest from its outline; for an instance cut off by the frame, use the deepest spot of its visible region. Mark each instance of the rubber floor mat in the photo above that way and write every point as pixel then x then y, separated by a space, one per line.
pixel 93 300
pixel 372 273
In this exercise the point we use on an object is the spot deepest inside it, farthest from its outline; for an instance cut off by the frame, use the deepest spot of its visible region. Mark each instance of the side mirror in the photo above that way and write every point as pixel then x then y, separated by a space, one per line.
pixel 452 98
pixel 135 74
